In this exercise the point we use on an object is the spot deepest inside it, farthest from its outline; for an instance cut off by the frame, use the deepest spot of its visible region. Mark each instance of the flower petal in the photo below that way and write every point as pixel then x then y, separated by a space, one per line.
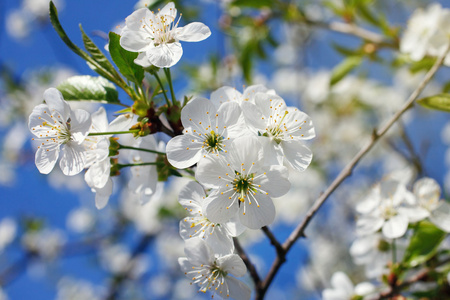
pixel 46 157
pixel 395 227
pixel 80 124
pixel 142 60
pixel 237 289
pixel 73 159
pixel 219 208
pixel 164 55
pixel 102 194
pixel 182 152
pixel 233 264
pixel 56 103
pixel 135 41
pixel 225 94
pixel 259 213
pixel 297 155
pixel 191 197
pixel 441 216
pixel 193 32
pixel 275 182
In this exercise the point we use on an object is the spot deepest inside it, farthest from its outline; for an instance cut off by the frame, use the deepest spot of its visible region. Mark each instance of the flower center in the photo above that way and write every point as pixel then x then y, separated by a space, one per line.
pixel 274 131
pixel 243 184
pixel 213 142
pixel 383 246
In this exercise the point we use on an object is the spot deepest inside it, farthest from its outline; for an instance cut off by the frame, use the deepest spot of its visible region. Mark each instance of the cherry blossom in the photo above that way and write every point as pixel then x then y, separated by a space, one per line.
pixel 56 127
pixel 156 36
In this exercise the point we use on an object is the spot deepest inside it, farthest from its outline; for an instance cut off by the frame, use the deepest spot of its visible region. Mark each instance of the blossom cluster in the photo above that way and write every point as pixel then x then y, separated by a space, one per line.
pixel 241 143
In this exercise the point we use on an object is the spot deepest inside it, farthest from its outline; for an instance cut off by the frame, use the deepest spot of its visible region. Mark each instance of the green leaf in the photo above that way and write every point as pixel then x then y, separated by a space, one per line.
pixel 125 60
pixel 88 88
pixel 439 102
pixel 424 244
pixel 62 34
pixel 345 67
pixel 423 65
pixel 96 53
pixel 94 65
pixel 253 3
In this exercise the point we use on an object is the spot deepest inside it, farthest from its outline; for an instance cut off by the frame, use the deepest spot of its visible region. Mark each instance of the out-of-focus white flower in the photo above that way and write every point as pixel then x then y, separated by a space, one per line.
pixel 39 8
pixel 156 36
pixel 8 229
pixel 76 289
pixel 18 24
pixel 242 184
pixel 118 260
pixel 56 126
pixel 47 242
pixel 80 220
pixel 381 210
pixel 343 289
pixel 427 194
pixel 212 272
pixel 427 33
pixel 317 87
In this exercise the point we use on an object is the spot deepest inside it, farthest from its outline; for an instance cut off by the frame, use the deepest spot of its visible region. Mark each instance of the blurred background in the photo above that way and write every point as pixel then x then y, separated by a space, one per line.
pixel 54 243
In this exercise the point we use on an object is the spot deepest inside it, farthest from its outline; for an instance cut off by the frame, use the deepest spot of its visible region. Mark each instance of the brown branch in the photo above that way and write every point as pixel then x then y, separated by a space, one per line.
pixel 346 172
pixel 251 268
pixel 274 241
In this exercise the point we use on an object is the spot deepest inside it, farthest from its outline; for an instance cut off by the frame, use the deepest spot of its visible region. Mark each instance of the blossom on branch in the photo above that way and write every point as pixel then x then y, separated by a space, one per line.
pixel 156 36
pixel 56 126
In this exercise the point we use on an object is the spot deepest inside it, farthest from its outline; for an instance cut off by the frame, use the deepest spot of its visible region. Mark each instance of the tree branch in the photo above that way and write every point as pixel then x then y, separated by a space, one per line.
pixel 251 268
pixel 347 171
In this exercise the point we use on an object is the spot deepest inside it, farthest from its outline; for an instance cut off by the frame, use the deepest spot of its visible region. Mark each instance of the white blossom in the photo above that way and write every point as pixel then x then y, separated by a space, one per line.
pixel 343 289
pixel 212 272
pixel 206 131
pixel 156 36
pixel 281 130
pixel 57 127
pixel 242 184
pixel 381 210
pixel 218 236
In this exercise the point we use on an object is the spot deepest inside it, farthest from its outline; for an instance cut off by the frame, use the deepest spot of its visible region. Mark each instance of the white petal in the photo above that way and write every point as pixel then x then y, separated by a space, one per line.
pixel 80 124
pixel 46 157
pixel 73 159
pixel 395 227
pixel 233 264
pixel 197 251
pixel 135 41
pixel 340 281
pixel 99 120
pixel 142 60
pixel 247 151
pixel 219 241
pixel 191 197
pixel 273 154
pixel 427 190
pixel 121 123
pixel 185 265
pixel 254 216
pixel 330 294
pixel 368 225
pixel 218 207
pixel 98 174
pixel 414 214
pixel 36 120
pixel 364 288
pixel 238 289
pixel 441 216
pixel 164 55
pixel 182 152
pixel 168 10
pixel 254 117
pixel 193 32
pixel 102 194
pixel 225 94
pixel 197 114
pixel 299 124
pixel 250 92
pixel 211 172
pixel 56 103
pixel 297 155
pixel 234 226
pixel 228 115
pixel 276 181
pixel 134 21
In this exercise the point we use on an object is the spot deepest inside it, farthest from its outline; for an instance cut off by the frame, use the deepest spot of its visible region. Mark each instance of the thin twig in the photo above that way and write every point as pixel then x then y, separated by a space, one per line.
pixel 274 241
pixel 346 172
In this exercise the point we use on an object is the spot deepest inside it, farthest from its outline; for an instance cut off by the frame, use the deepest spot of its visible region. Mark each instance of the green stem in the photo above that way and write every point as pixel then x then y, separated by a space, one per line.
pixel 120 166
pixel 169 79
pixel 141 149
pixel 113 132
pixel 162 88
